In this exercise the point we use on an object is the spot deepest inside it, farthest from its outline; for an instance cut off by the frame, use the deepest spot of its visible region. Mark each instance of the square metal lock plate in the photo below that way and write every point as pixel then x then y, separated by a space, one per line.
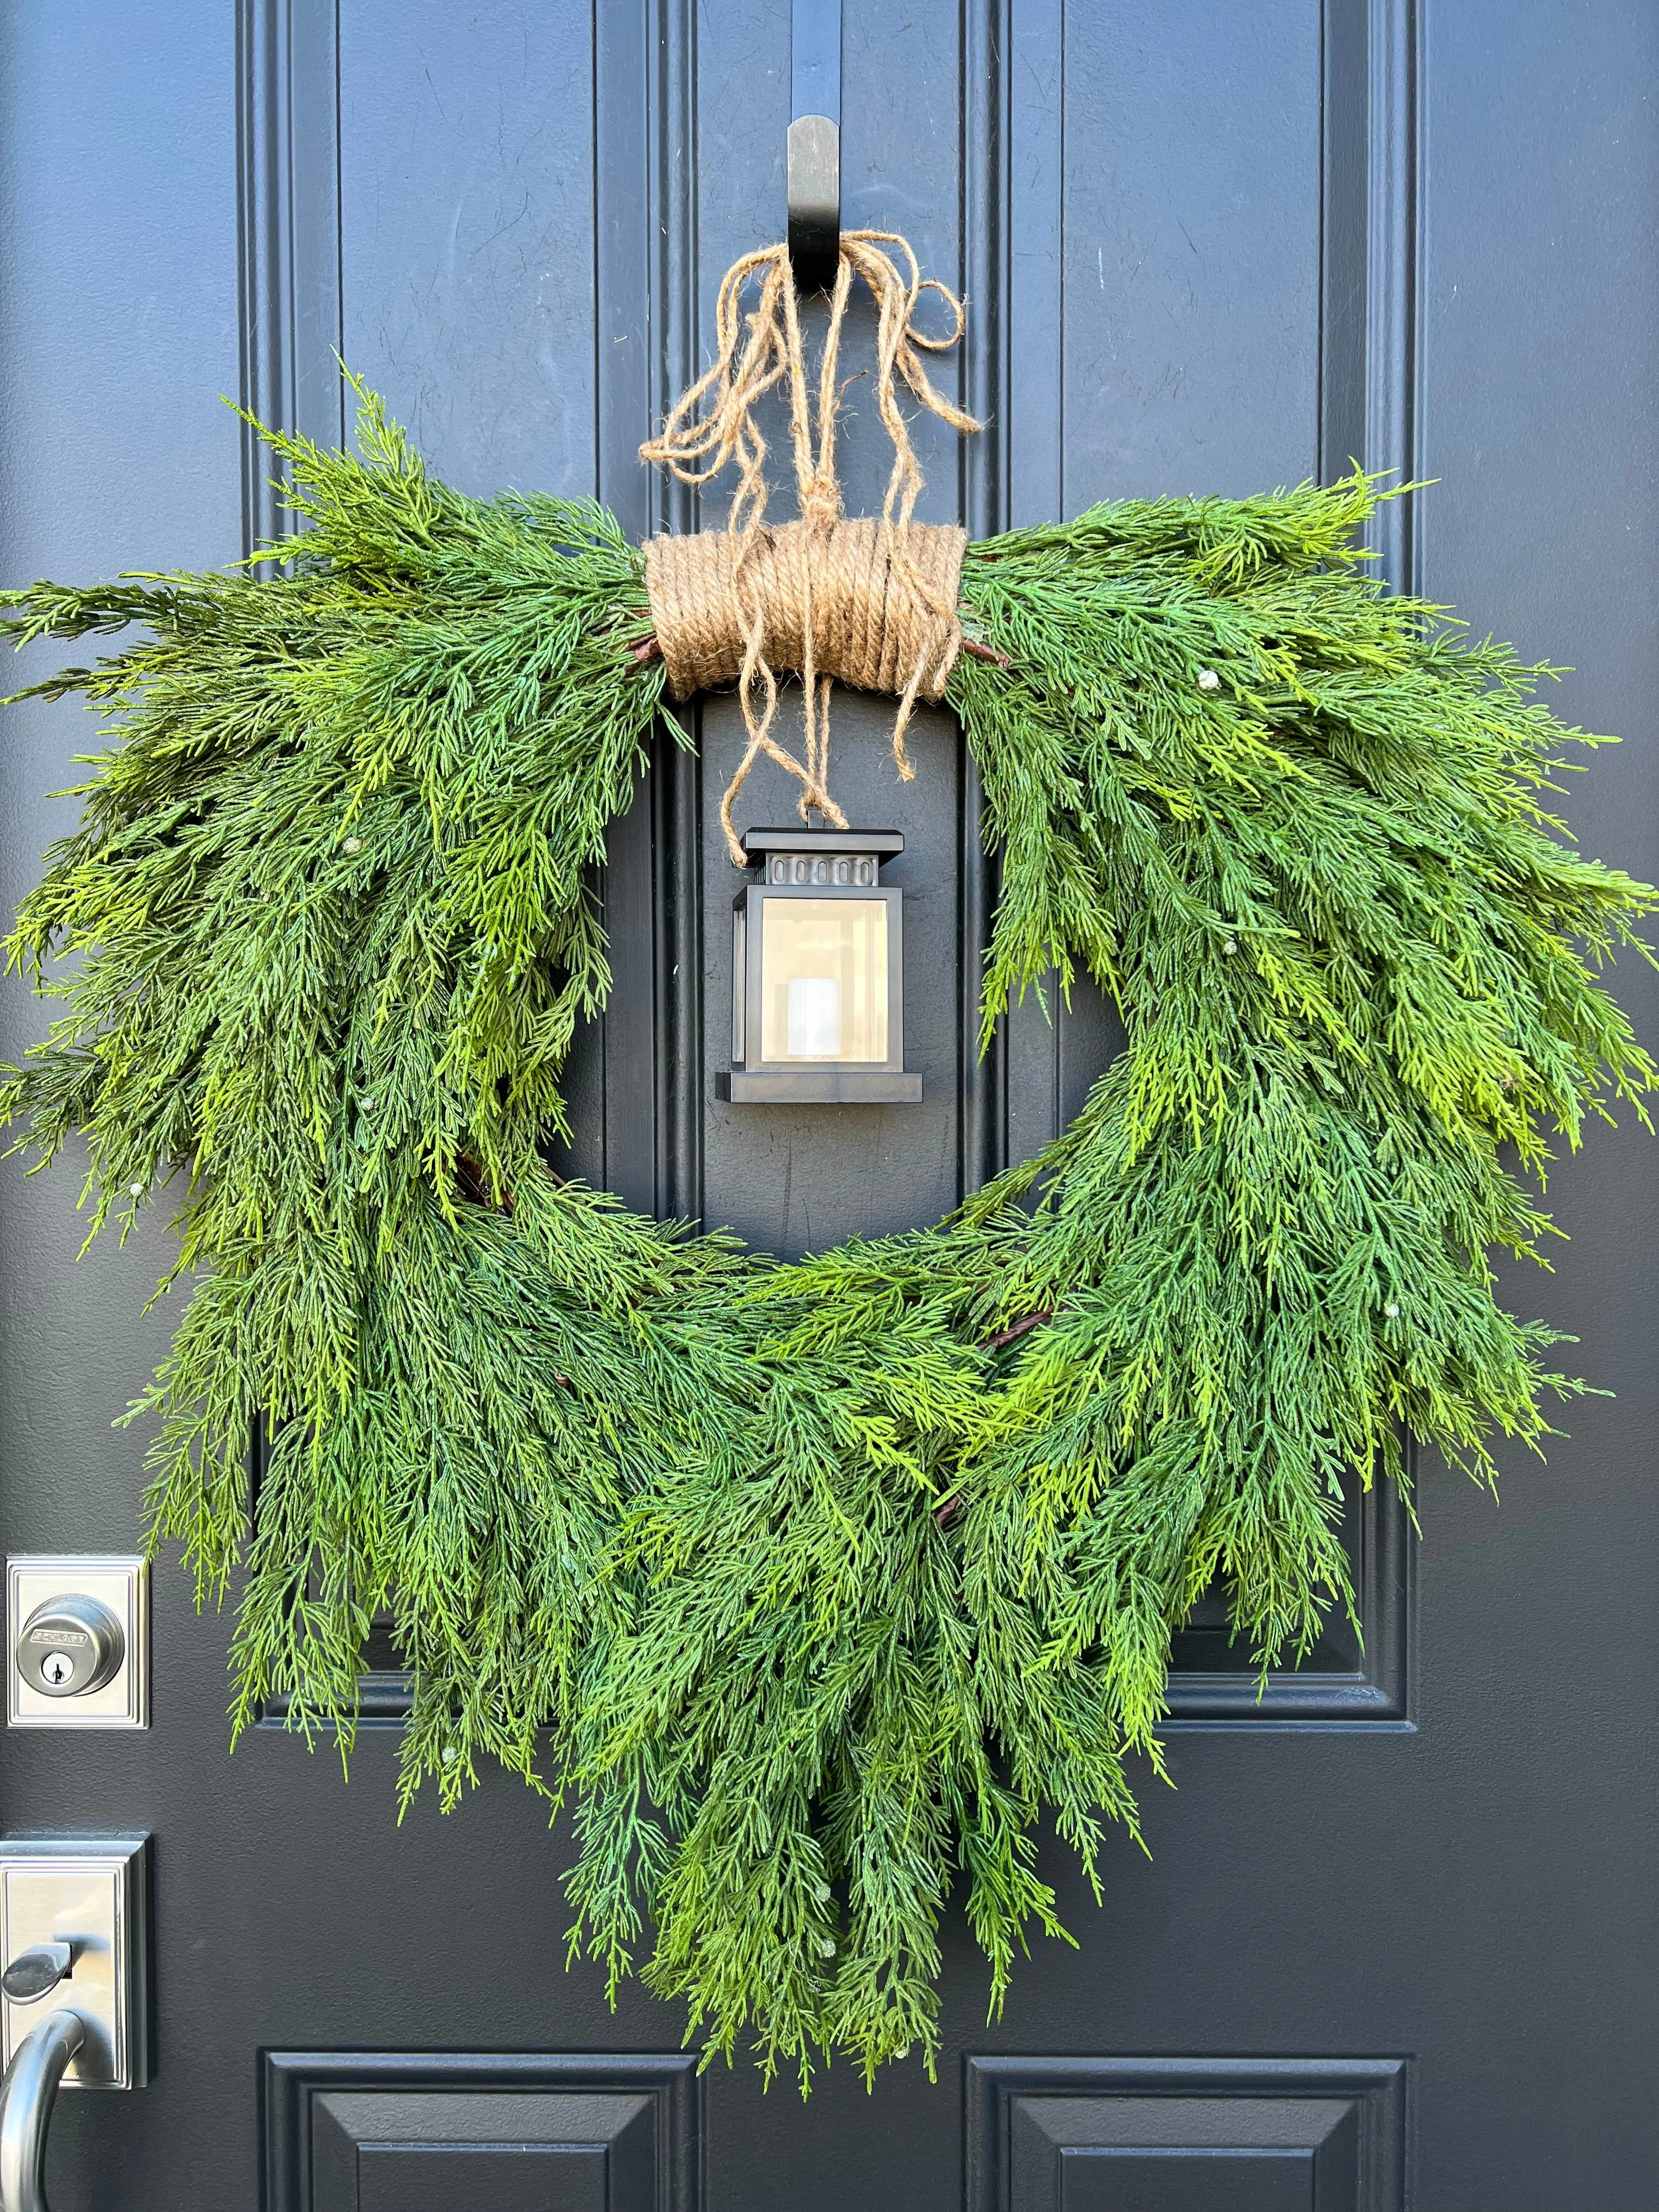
pixel 88 1892
pixel 121 1584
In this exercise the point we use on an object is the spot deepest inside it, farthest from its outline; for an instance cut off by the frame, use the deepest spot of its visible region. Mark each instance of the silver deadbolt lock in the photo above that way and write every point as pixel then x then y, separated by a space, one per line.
pixel 77 1642
pixel 69 1646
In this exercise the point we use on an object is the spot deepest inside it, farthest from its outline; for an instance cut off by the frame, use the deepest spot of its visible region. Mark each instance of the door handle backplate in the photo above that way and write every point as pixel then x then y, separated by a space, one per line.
pixel 87 1893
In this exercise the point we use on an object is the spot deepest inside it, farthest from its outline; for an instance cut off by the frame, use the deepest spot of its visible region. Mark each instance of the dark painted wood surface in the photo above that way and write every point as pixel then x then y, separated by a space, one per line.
pixel 1396 1940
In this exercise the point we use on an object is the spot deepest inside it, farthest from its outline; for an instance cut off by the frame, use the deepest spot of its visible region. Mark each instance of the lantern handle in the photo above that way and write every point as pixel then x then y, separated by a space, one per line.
pixel 814 144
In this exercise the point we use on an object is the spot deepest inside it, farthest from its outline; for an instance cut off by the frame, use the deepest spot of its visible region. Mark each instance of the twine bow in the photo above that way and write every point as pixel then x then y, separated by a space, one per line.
pixel 872 602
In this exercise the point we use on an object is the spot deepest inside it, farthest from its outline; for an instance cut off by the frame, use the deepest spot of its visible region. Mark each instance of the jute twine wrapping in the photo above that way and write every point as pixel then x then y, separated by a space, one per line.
pixel 871 603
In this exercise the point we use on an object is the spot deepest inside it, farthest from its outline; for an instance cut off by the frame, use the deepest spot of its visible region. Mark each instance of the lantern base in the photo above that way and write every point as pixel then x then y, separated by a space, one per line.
pixel 819 1086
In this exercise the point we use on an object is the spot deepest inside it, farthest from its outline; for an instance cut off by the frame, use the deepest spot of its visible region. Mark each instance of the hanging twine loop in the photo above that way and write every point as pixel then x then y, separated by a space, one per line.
pixel 871 603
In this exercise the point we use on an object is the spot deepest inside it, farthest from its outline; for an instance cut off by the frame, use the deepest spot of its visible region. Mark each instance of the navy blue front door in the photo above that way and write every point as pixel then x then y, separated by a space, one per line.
pixel 1396 1942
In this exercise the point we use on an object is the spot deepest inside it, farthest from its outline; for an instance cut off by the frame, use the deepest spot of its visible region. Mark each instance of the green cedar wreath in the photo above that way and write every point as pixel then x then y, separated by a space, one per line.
pixel 816 1588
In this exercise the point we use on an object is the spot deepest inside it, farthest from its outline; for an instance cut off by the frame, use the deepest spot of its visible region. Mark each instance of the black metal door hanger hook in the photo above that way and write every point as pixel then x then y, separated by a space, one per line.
pixel 814 144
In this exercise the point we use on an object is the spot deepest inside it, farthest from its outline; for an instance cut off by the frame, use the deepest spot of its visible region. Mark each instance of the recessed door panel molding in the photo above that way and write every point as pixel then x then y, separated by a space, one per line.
pixel 1186 2134
pixel 287 105
pixel 386 2131
pixel 1052 250
pixel 294 117
pixel 1031 210
pixel 640 1079
pixel 1349 1680
pixel 1349 391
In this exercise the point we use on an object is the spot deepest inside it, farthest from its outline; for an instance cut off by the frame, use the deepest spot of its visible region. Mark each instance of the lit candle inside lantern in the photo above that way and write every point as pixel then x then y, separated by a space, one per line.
pixel 814 1017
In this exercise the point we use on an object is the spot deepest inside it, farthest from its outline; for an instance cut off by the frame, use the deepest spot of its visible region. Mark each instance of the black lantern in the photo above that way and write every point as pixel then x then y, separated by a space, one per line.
pixel 817 972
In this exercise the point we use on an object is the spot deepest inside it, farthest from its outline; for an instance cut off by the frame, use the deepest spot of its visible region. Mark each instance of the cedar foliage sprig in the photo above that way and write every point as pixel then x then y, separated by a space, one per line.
pixel 835 1578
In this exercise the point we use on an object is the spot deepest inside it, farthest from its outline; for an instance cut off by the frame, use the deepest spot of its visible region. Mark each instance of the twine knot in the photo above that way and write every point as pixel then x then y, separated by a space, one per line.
pixel 821 500
pixel 871 603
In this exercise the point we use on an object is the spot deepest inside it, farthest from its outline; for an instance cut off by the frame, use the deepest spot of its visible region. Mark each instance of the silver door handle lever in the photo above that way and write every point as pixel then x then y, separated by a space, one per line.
pixel 27 2096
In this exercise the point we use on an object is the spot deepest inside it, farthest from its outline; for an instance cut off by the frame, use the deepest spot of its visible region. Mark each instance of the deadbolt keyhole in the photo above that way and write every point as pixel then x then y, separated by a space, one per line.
pixel 69 1646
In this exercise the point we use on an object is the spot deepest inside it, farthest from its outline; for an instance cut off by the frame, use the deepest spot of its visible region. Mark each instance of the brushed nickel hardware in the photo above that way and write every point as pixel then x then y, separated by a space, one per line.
pixel 35 1973
pixel 70 1646
pixel 28 2094
pixel 72 1928
pixel 79 1637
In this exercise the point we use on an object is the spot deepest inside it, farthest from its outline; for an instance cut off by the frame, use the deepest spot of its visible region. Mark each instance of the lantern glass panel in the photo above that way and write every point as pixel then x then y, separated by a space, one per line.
pixel 824 980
